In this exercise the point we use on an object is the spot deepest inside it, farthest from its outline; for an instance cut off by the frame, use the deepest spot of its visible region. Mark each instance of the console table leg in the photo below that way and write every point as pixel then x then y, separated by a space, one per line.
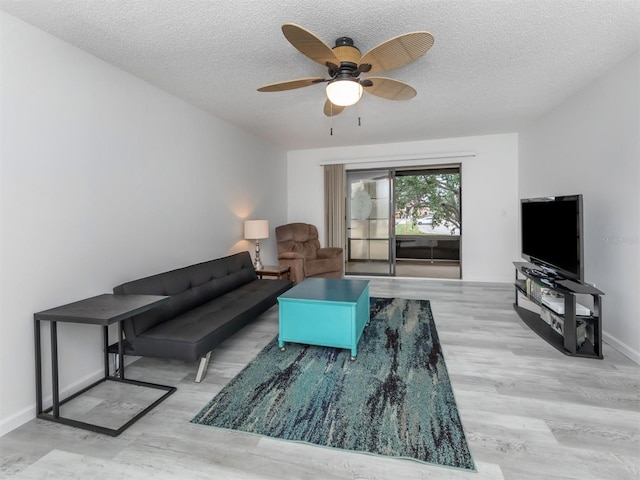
pixel 105 347
pixel 38 349
pixel 54 370
pixel 121 350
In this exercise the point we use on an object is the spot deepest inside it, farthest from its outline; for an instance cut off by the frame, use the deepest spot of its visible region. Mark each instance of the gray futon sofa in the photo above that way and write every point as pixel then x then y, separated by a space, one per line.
pixel 208 303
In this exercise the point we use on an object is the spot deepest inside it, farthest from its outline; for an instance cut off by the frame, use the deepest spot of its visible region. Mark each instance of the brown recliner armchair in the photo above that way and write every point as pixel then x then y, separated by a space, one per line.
pixel 299 248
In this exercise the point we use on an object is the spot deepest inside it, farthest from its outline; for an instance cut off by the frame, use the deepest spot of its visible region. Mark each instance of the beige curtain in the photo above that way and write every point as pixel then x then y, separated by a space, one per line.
pixel 334 206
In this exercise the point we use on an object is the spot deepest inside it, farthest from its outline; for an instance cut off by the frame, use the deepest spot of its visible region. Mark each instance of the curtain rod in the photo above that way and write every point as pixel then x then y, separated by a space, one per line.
pixel 430 156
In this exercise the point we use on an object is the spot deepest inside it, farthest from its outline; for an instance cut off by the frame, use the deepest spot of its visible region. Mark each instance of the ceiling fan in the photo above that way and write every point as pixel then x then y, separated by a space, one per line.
pixel 345 64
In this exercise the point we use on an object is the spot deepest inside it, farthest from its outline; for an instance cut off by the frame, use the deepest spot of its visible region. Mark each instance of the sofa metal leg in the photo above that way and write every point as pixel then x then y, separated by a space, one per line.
pixel 202 368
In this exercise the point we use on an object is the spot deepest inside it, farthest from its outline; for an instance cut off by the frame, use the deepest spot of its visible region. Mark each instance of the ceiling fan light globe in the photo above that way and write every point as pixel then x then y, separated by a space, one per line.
pixel 344 92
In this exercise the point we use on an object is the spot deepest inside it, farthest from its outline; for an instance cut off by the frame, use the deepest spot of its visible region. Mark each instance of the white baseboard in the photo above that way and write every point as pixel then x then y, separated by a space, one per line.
pixel 29 413
pixel 17 419
pixel 622 347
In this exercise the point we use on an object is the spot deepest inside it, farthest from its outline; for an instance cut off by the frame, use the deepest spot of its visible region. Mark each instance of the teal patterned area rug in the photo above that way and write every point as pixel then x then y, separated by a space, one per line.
pixel 394 400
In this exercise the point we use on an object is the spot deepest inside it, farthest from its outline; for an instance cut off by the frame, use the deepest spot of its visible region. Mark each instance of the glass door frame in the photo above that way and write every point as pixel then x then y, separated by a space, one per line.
pixel 359 207
pixel 436 169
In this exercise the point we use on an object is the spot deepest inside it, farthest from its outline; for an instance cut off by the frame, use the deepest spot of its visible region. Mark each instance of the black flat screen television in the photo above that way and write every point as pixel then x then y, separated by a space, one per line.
pixel 552 235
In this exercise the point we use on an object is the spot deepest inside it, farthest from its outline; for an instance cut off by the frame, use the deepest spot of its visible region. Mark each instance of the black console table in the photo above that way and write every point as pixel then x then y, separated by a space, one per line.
pixel 566 342
pixel 102 310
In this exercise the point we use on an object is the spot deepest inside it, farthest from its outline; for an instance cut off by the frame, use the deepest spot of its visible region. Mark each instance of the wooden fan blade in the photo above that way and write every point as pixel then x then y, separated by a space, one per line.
pixel 398 51
pixel 390 89
pixel 309 44
pixel 331 110
pixel 290 85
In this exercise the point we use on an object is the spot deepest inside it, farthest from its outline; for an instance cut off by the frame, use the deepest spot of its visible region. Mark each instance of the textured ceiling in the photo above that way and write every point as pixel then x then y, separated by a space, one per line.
pixel 496 65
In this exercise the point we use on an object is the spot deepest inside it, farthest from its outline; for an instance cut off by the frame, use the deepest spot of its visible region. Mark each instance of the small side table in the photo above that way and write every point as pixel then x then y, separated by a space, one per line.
pixel 102 310
pixel 277 271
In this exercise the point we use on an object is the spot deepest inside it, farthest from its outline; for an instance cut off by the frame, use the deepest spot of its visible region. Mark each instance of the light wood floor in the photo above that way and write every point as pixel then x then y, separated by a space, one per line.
pixel 529 412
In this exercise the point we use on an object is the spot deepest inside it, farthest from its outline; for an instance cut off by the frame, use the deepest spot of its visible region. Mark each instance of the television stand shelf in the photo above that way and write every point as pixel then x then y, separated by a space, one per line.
pixel 567 342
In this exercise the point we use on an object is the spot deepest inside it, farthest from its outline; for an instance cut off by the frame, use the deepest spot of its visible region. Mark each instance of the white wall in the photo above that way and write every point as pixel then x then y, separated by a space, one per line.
pixel 105 179
pixel 590 145
pixel 489 192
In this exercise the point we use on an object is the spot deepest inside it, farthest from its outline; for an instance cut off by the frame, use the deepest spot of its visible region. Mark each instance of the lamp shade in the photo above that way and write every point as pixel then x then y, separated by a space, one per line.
pixel 256 229
pixel 344 92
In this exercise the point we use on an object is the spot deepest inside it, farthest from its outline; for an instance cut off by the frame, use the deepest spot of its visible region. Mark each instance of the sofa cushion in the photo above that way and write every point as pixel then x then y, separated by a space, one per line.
pixel 188 287
pixel 192 334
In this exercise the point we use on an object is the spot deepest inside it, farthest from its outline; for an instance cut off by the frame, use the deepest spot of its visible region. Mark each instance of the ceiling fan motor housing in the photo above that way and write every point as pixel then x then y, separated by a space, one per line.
pixel 346 51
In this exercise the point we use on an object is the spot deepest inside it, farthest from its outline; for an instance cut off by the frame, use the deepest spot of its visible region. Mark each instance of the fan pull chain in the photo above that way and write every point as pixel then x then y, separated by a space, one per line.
pixel 359 124
pixel 331 120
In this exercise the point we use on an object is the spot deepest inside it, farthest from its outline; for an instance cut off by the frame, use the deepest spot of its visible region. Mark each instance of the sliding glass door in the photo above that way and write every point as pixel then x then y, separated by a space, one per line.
pixel 405 222
pixel 369 219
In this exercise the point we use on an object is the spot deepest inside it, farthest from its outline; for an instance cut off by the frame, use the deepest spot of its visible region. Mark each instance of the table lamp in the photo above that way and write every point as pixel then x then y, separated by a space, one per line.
pixel 256 230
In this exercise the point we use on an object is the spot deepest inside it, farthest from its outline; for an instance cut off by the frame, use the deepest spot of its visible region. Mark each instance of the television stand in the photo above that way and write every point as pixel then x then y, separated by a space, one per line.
pixel 569 332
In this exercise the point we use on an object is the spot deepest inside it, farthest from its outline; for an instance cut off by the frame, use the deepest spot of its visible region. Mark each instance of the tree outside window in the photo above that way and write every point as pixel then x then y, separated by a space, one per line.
pixel 431 199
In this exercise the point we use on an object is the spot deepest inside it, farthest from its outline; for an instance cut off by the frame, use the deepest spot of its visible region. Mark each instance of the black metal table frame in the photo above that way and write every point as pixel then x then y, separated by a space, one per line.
pixel 53 413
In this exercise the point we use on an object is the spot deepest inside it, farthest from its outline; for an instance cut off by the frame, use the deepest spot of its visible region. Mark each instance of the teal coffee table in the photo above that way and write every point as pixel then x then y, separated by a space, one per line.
pixel 325 311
